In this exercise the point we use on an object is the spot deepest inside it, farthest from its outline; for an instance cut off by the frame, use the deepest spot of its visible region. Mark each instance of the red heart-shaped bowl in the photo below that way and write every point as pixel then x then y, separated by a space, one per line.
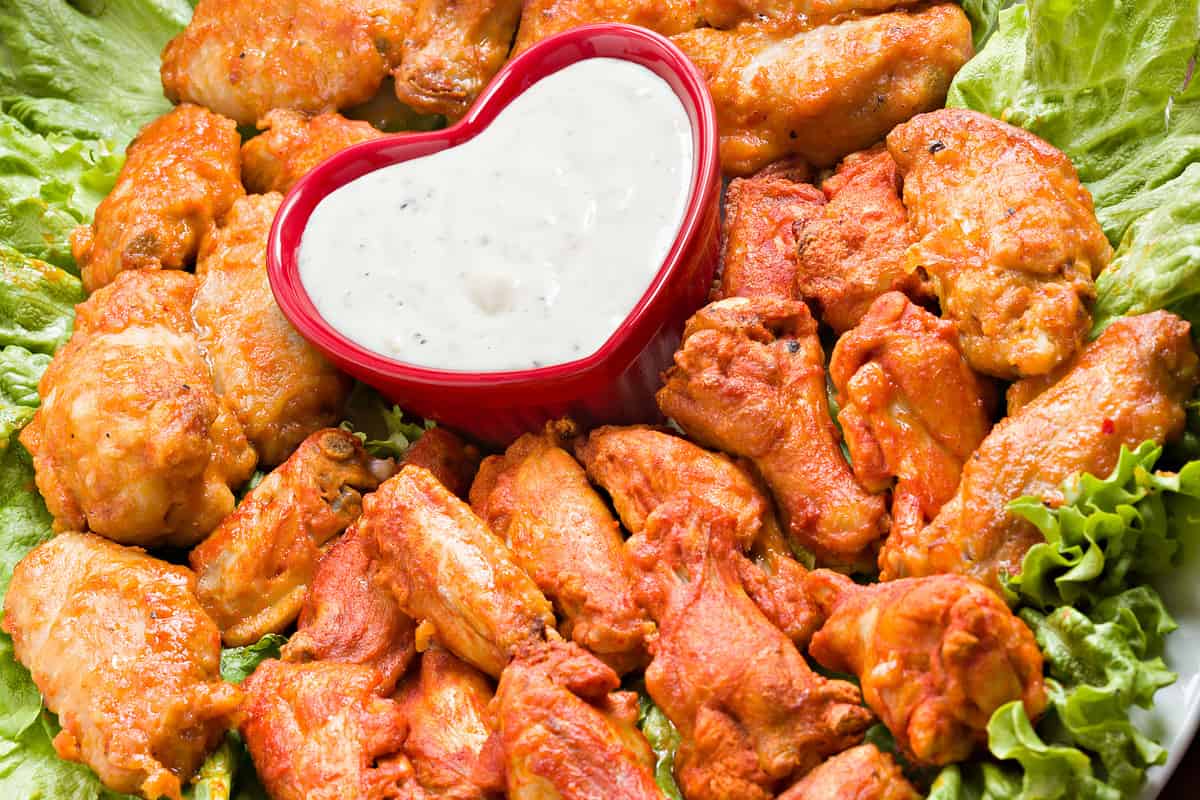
pixel 615 384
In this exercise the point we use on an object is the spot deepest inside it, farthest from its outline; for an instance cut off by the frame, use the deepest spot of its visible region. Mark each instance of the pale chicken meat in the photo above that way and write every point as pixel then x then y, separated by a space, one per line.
pixel 565 730
pixel 1127 387
pixel 642 469
pixel 935 656
pixel 912 411
pixel 125 656
pixel 537 498
pixel 860 773
pixel 181 175
pixel 749 379
pixel 256 567
pixel 244 58
pixel 1007 233
pixel 321 731
pixel 451 741
pixel 131 441
pixel 821 94
pixel 447 570
pixel 292 144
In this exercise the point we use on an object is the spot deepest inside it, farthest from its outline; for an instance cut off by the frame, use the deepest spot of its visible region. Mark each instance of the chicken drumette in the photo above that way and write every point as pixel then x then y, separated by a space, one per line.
pixel 292 143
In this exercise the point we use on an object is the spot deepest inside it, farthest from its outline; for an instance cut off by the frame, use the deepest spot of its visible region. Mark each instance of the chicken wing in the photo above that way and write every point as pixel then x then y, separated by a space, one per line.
pixel 1128 386
pixel 566 732
pixel 935 657
pixel 642 469
pixel 446 569
pixel 280 386
pixel 759 244
pixel 181 174
pixel 860 773
pixel 911 408
pixel 452 50
pixel 255 568
pixel 749 379
pixel 451 460
pixel 824 93
pixel 243 58
pixel 751 715
pixel 291 144
pixel 123 653
pixel 450 738
pixel 131 441
pixel 537 499
pixel 853 251
pixel 1007 233
pixel 321 731
pixel 541 19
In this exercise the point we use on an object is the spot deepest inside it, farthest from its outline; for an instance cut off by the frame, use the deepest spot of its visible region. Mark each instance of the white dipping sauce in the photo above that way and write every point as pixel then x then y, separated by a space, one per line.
pixel 525 247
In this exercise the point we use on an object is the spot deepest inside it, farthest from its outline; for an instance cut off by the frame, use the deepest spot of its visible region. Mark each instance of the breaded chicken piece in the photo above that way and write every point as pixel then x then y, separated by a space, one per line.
pixel 292 144
pixel 123 653
pixel 827 92
pixel 281 388
pixel 1007 233
pixel 642 469
pixel 321 731
pixel 452 50
pixel 752 716
pixel 1127 387
pixel 758 238
pixel 243 58
pixel 912 411
pixel 566 732
pixel 541 19
pixel 935 656
pixel 537 499
pixel 450 737
pixel 181 175
pixel 749 379
pixel 131 441
pixel 853 251
pixel 860 773
pixel 255 569
pixel 447 570
pixel 350 615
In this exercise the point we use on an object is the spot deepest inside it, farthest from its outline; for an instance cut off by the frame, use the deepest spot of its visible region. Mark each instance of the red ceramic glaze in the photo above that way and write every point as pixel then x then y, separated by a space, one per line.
pixel 616 384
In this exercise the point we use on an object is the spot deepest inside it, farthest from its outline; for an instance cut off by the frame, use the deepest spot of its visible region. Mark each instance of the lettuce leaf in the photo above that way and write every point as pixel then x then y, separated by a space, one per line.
pixel 1107 533
pixel 664 741
pixel 88 69
pixel 984 17
pixel 1109 82
pixel 238 662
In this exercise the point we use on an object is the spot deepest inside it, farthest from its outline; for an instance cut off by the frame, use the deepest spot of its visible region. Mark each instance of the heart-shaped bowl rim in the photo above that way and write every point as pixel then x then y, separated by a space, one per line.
pixel 611 40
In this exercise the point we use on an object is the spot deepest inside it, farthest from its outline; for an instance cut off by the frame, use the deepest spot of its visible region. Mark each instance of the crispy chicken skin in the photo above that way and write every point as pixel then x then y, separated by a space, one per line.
pixel 566 732
pixel 280 386
pixel 452 50
pixel 860 773
pixel 911 409
pixel 749 379
pixel 321 731
pixel 544 18
pixel 291 144
pixel 751 714
pixel 827 92
pixel 853 251
pixel 131 441
pixel 642 468
pixel 758 238
pixel 255 568
pixel 446 569
pixel 451 460
pixel 181 174
pixel 243 58
pixel 1126 387
pixel 1007 233
pixel 935 657
pixel 123 653
pixel 450 738
pixel 537 499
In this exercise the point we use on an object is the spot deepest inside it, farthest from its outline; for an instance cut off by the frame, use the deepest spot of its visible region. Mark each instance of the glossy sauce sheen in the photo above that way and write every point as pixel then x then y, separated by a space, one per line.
pixel 524 247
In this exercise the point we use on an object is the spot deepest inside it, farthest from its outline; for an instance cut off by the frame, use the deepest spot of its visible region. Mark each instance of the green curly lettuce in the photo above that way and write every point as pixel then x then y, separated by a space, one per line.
pixel 984 15
pixel 238 662
pixel 664 741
